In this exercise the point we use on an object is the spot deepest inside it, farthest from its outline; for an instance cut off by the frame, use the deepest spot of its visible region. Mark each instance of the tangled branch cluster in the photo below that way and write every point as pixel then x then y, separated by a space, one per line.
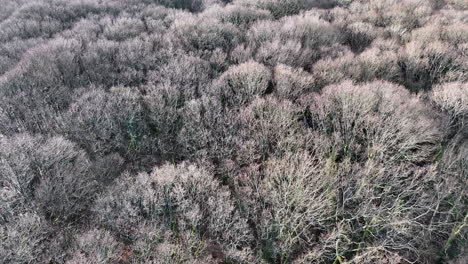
pixel 233 131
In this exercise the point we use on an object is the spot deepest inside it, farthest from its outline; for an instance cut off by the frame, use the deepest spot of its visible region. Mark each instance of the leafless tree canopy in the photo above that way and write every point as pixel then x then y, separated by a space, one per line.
pixel 233 131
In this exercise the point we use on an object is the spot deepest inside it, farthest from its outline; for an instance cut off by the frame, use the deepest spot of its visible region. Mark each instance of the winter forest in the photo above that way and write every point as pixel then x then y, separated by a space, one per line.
pixel 233 131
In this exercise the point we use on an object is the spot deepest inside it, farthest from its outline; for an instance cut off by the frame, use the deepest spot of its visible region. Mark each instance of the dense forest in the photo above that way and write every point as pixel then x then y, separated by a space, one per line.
pixel 233 131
